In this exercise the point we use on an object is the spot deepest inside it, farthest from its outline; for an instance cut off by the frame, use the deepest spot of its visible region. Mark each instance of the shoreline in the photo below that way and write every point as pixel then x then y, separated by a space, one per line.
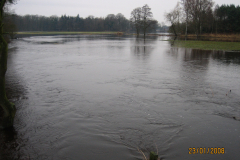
pixel 213 37
pixel 208 45
pixel 42 33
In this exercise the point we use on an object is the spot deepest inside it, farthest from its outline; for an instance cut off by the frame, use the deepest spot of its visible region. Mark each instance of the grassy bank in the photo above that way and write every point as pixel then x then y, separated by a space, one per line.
pixel 208 45
pixel 214 37
pixel 62 33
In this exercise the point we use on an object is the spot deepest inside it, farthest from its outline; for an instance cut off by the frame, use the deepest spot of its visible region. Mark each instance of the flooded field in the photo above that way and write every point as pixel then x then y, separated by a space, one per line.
pixel 103 97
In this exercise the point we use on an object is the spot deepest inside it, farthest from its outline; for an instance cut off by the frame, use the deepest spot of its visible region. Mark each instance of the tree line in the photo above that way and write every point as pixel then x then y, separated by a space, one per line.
pixel 199 16
pixel 70 23
pixel 111 22
pixel 227 18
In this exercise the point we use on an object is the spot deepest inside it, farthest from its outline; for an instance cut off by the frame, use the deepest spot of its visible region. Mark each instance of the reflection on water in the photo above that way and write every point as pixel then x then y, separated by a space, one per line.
pixel 227 57
pixel 102 97
pixel 210 68
pixel 142 48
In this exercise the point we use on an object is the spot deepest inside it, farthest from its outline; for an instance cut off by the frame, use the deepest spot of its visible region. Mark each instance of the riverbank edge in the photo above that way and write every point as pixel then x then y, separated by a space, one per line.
pixel 194 44
pixel 207 45
pixel 39 33
pixel 63 32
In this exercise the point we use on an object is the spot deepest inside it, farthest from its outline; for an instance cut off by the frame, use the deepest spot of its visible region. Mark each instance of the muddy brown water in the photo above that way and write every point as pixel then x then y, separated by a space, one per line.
pixel 102 97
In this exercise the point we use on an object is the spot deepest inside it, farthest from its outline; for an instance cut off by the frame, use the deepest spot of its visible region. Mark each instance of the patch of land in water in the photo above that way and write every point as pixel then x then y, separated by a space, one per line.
pixel 208 45
pixel 213 37
pixel 204 37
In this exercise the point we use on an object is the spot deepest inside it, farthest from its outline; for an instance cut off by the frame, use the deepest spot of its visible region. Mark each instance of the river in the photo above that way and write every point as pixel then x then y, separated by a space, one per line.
pixel 105 97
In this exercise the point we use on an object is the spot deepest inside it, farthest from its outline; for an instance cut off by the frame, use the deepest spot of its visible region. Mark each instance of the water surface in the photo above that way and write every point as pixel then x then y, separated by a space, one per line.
pixel 102 97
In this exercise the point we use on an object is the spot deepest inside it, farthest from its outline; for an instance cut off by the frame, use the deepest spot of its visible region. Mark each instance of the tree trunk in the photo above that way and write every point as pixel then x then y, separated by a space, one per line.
pixel 186 26
pixel 174 30
pixel 144 33
pixel 8 107
pixel 137 32
pixel 197 33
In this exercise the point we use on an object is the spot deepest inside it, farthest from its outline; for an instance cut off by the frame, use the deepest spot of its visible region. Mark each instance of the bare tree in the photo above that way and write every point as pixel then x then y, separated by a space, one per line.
pixel 8 107
pixel 142 19
pixel 147 20
pixel 110 22
pixel 174 18
pixel 197 9
pixel 121 22
pixel 186 8
pixel 216 17
pixel 135 19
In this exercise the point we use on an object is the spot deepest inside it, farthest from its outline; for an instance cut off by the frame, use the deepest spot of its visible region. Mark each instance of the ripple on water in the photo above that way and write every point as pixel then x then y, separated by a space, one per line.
pixel 102 97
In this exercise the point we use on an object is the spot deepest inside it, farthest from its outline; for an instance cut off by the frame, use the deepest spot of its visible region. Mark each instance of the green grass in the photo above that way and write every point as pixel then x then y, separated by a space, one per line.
pixel 208 45
pixel 56 33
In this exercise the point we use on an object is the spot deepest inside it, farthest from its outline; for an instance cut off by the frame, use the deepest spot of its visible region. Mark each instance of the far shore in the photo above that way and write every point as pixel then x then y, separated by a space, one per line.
pixel 43 33
pixel 225 42
pixel 63 32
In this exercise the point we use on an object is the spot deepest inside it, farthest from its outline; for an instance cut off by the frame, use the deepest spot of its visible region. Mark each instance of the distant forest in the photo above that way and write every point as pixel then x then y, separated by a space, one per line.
pixel 69 23
pixel 227 19
pixel 199 17
pixel 187 17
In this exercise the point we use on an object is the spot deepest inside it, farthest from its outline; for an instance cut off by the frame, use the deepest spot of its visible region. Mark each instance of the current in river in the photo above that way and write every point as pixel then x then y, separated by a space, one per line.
pixel 107 97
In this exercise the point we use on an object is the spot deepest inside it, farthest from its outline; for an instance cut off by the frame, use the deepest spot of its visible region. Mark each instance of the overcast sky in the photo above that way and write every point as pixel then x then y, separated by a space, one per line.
pixel 98 8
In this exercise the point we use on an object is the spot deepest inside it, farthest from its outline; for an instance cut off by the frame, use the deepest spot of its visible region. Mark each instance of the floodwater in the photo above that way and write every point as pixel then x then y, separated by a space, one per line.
pixel 105 97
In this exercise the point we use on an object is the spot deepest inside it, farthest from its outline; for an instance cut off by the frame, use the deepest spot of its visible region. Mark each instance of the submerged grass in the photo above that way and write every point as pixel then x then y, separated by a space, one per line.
pixel 208 45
